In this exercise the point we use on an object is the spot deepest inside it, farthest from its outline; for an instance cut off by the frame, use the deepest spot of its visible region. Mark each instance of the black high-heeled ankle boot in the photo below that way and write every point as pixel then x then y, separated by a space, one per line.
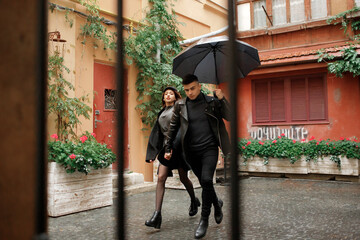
pixel 218 214
pixel 155 220
pixel 194 207
pixel 202 227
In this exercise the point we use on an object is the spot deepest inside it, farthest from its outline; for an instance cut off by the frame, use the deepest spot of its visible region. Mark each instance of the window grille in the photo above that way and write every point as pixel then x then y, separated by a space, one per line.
pixel 110 99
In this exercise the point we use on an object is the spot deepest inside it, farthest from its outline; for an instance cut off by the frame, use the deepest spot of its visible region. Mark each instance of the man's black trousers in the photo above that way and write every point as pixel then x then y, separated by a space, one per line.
pixel 203 164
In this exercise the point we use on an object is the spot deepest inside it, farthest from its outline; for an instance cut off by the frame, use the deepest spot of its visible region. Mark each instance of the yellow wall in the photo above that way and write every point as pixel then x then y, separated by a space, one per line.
pixel 200 17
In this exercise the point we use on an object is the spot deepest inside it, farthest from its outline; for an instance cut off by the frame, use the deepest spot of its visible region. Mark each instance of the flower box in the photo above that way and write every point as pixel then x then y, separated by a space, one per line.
pixel 350 167
pixel 76 192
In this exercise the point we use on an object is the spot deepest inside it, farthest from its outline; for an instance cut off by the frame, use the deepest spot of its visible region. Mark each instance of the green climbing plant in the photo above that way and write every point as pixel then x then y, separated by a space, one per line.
pixel 152 49
pixel 94 26
pixel 66 109
pixel 349 60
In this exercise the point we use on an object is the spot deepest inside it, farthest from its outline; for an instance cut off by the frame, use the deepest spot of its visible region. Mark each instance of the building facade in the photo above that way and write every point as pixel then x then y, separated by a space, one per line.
pixel 92 69
pixel 291 92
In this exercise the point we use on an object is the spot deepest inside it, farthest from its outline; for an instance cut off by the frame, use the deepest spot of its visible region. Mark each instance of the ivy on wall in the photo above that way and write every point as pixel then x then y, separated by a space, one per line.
pixel 349 60
pixel 152 50
pixel 94 26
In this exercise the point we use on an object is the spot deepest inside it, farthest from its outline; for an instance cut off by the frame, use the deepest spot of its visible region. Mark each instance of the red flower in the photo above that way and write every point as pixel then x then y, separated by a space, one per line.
pixel 83 138
pixel 261 143
pixel 327 143
pixel 317 143
pixel 279 137
pixel 334 147
pixel 342 138
pixel 93 134
pixel 312 138
pixel 283 134
pixel 243 147
pixel 72 156
pixel 348 139
pixel 357 146
pixel 303 140
pixel 274 141
pixel 55 136
pixel 248 143
pixel 294 141
pixel 320 139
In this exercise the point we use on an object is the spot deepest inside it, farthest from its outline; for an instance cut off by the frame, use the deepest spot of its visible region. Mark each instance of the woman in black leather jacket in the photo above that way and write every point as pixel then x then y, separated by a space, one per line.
pixel 156 149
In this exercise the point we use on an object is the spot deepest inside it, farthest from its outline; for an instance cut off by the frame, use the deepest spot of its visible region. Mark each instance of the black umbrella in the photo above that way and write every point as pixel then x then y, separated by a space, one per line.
pixel 207 60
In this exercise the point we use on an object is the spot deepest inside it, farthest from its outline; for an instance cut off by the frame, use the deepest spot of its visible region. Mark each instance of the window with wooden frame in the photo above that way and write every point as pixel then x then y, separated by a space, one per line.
pixel 258 14
pixel 294 99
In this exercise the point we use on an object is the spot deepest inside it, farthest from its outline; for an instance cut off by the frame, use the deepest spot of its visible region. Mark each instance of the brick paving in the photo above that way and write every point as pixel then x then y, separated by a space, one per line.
pixel 272 208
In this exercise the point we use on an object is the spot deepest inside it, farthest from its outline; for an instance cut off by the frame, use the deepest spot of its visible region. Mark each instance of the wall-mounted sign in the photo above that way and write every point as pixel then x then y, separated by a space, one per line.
pixel 292 132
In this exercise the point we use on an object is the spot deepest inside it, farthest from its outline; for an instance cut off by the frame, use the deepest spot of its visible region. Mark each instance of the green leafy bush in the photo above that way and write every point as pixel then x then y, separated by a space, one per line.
pixel 80 156
pixel 285 148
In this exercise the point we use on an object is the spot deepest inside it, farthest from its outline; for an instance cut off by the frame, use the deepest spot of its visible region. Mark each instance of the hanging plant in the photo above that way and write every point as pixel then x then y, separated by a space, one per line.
pixel 349 60
pixel 94 27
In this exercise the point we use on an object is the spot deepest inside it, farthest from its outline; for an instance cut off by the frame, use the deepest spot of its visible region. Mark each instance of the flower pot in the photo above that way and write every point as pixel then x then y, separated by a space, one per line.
pixel 75 192
pixel 350 167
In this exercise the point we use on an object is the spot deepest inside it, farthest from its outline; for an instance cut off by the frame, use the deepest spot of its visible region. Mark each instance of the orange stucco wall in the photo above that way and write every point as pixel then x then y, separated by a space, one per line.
pixel 200 17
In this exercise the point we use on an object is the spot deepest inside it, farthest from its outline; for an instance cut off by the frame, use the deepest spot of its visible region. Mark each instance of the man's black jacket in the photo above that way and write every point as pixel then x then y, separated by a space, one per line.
pixel 215 110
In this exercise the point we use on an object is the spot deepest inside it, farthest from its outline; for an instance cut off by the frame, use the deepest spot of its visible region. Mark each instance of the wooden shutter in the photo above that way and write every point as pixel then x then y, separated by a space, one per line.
pixel 316 98
pixel 298 100
pixel 277 101
pixel 261 102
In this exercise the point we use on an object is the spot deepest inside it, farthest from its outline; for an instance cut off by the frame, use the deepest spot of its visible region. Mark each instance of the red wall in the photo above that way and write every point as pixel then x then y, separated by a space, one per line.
pixel 343 109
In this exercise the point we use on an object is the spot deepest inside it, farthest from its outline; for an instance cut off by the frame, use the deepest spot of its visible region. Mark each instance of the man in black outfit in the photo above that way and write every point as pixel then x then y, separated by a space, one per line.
pixel 200 121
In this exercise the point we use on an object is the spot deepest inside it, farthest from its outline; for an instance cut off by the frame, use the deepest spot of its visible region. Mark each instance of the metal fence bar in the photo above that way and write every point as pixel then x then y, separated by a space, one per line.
pixel 120 228
pixel 234 182
pixel 41 60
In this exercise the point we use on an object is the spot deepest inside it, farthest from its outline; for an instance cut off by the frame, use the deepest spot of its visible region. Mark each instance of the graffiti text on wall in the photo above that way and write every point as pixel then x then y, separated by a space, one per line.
pixel 293 132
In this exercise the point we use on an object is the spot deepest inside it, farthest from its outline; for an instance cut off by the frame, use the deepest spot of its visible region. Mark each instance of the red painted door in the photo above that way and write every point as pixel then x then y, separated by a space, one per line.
pixel 104 113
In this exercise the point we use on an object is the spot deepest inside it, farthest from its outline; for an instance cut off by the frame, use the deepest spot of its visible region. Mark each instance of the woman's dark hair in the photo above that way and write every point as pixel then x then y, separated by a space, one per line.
pixel 189 78
pixel 175 91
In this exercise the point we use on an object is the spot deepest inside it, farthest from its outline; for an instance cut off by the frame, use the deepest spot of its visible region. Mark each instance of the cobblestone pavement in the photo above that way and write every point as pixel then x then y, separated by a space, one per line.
pixel 272 208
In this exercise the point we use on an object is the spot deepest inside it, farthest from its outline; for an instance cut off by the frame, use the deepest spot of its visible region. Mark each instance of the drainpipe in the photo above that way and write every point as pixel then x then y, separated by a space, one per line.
pixel 191 40
pixel 158 51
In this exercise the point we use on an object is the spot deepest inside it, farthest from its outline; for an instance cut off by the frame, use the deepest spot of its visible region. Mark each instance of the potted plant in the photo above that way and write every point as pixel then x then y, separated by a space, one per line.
pixel 79 169
pixel 284 155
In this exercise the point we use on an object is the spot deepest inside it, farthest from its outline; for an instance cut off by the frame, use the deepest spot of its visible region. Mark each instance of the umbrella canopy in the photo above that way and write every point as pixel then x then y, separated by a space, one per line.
pixel 207 60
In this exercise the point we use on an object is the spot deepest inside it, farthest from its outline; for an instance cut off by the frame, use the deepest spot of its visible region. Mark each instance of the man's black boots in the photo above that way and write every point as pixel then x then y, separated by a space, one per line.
pixel 194 207
pixel 218 214
pixel 202 227
pixel 155 220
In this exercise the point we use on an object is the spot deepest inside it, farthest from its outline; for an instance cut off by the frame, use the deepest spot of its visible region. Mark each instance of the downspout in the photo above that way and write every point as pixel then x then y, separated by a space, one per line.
pixel 191 40
pixel 158 45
